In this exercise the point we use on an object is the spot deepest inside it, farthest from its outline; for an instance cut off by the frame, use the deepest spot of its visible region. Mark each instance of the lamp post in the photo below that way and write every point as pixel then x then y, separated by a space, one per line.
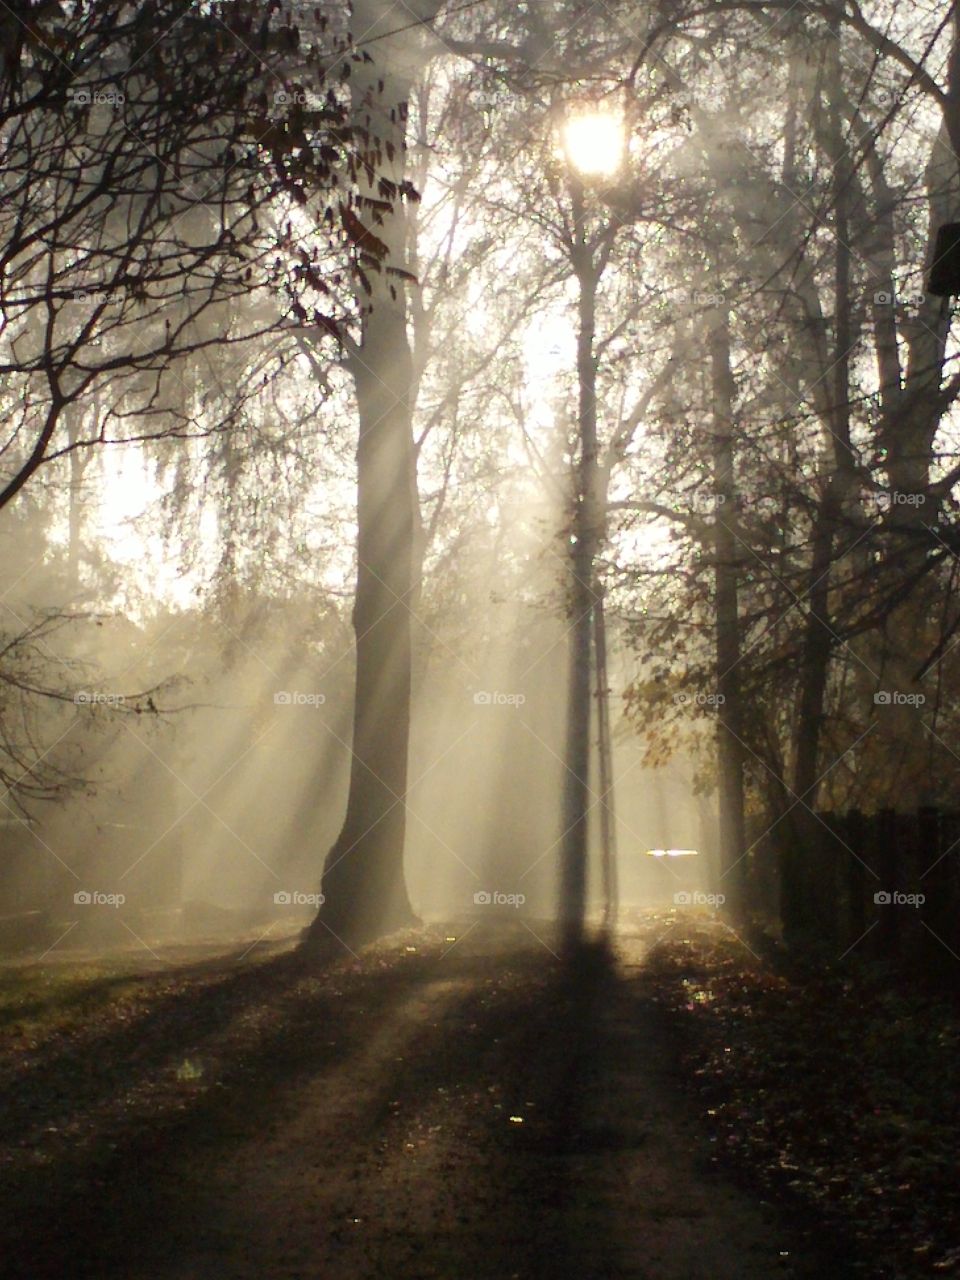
pixel 593 145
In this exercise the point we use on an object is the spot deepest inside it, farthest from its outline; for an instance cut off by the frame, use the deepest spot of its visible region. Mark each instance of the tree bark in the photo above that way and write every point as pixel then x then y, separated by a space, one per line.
pixel 363 885
pixel 608 812
pixel 730 719
pixel 586 531
pixel 819 636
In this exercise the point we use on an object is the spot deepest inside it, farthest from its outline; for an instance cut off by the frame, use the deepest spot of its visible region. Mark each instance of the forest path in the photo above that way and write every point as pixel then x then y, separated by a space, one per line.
pixel 458 1110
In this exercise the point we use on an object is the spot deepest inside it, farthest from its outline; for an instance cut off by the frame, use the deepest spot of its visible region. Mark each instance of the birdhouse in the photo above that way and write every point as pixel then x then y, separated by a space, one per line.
pixel 945 269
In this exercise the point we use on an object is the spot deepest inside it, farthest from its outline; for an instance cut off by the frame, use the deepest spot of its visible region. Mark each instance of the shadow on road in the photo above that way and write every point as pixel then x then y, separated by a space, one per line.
pixel 468 1112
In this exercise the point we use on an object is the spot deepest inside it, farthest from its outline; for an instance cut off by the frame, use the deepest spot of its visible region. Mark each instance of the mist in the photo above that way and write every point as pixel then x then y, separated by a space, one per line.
pixel 479 735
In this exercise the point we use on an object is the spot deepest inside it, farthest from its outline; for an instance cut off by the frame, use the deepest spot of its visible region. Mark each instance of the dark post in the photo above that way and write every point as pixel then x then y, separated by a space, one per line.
pixel 887 866
pixel 928 876
pixel 858 881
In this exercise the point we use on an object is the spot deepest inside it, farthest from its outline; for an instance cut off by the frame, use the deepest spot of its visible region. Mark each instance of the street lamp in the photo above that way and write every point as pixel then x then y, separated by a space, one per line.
pixel 593 142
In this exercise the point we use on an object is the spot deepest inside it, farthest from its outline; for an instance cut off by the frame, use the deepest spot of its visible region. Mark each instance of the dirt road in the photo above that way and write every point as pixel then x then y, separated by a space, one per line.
pixel 460 1110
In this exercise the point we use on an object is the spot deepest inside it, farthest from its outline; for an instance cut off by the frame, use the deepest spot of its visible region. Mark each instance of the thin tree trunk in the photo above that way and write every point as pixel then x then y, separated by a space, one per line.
pixel 730 718
pixel 586 532
pixel 75 520
pixel 608 813
pixel 819 638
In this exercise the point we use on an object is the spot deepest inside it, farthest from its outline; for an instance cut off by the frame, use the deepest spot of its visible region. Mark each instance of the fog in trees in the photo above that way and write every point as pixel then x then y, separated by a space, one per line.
pixel 480 480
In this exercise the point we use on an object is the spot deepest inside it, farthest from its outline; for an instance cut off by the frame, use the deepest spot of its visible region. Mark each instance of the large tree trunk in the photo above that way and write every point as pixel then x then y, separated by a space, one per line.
pixel 798 881
pixel 363 882
pixel 908 433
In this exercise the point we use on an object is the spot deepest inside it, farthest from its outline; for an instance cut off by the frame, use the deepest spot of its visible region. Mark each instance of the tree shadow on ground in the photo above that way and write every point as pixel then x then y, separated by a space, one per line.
pixel 118 1209
pixel 445 1113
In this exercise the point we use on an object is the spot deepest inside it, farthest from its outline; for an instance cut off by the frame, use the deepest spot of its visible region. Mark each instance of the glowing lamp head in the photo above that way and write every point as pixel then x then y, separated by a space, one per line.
pixel 594 143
